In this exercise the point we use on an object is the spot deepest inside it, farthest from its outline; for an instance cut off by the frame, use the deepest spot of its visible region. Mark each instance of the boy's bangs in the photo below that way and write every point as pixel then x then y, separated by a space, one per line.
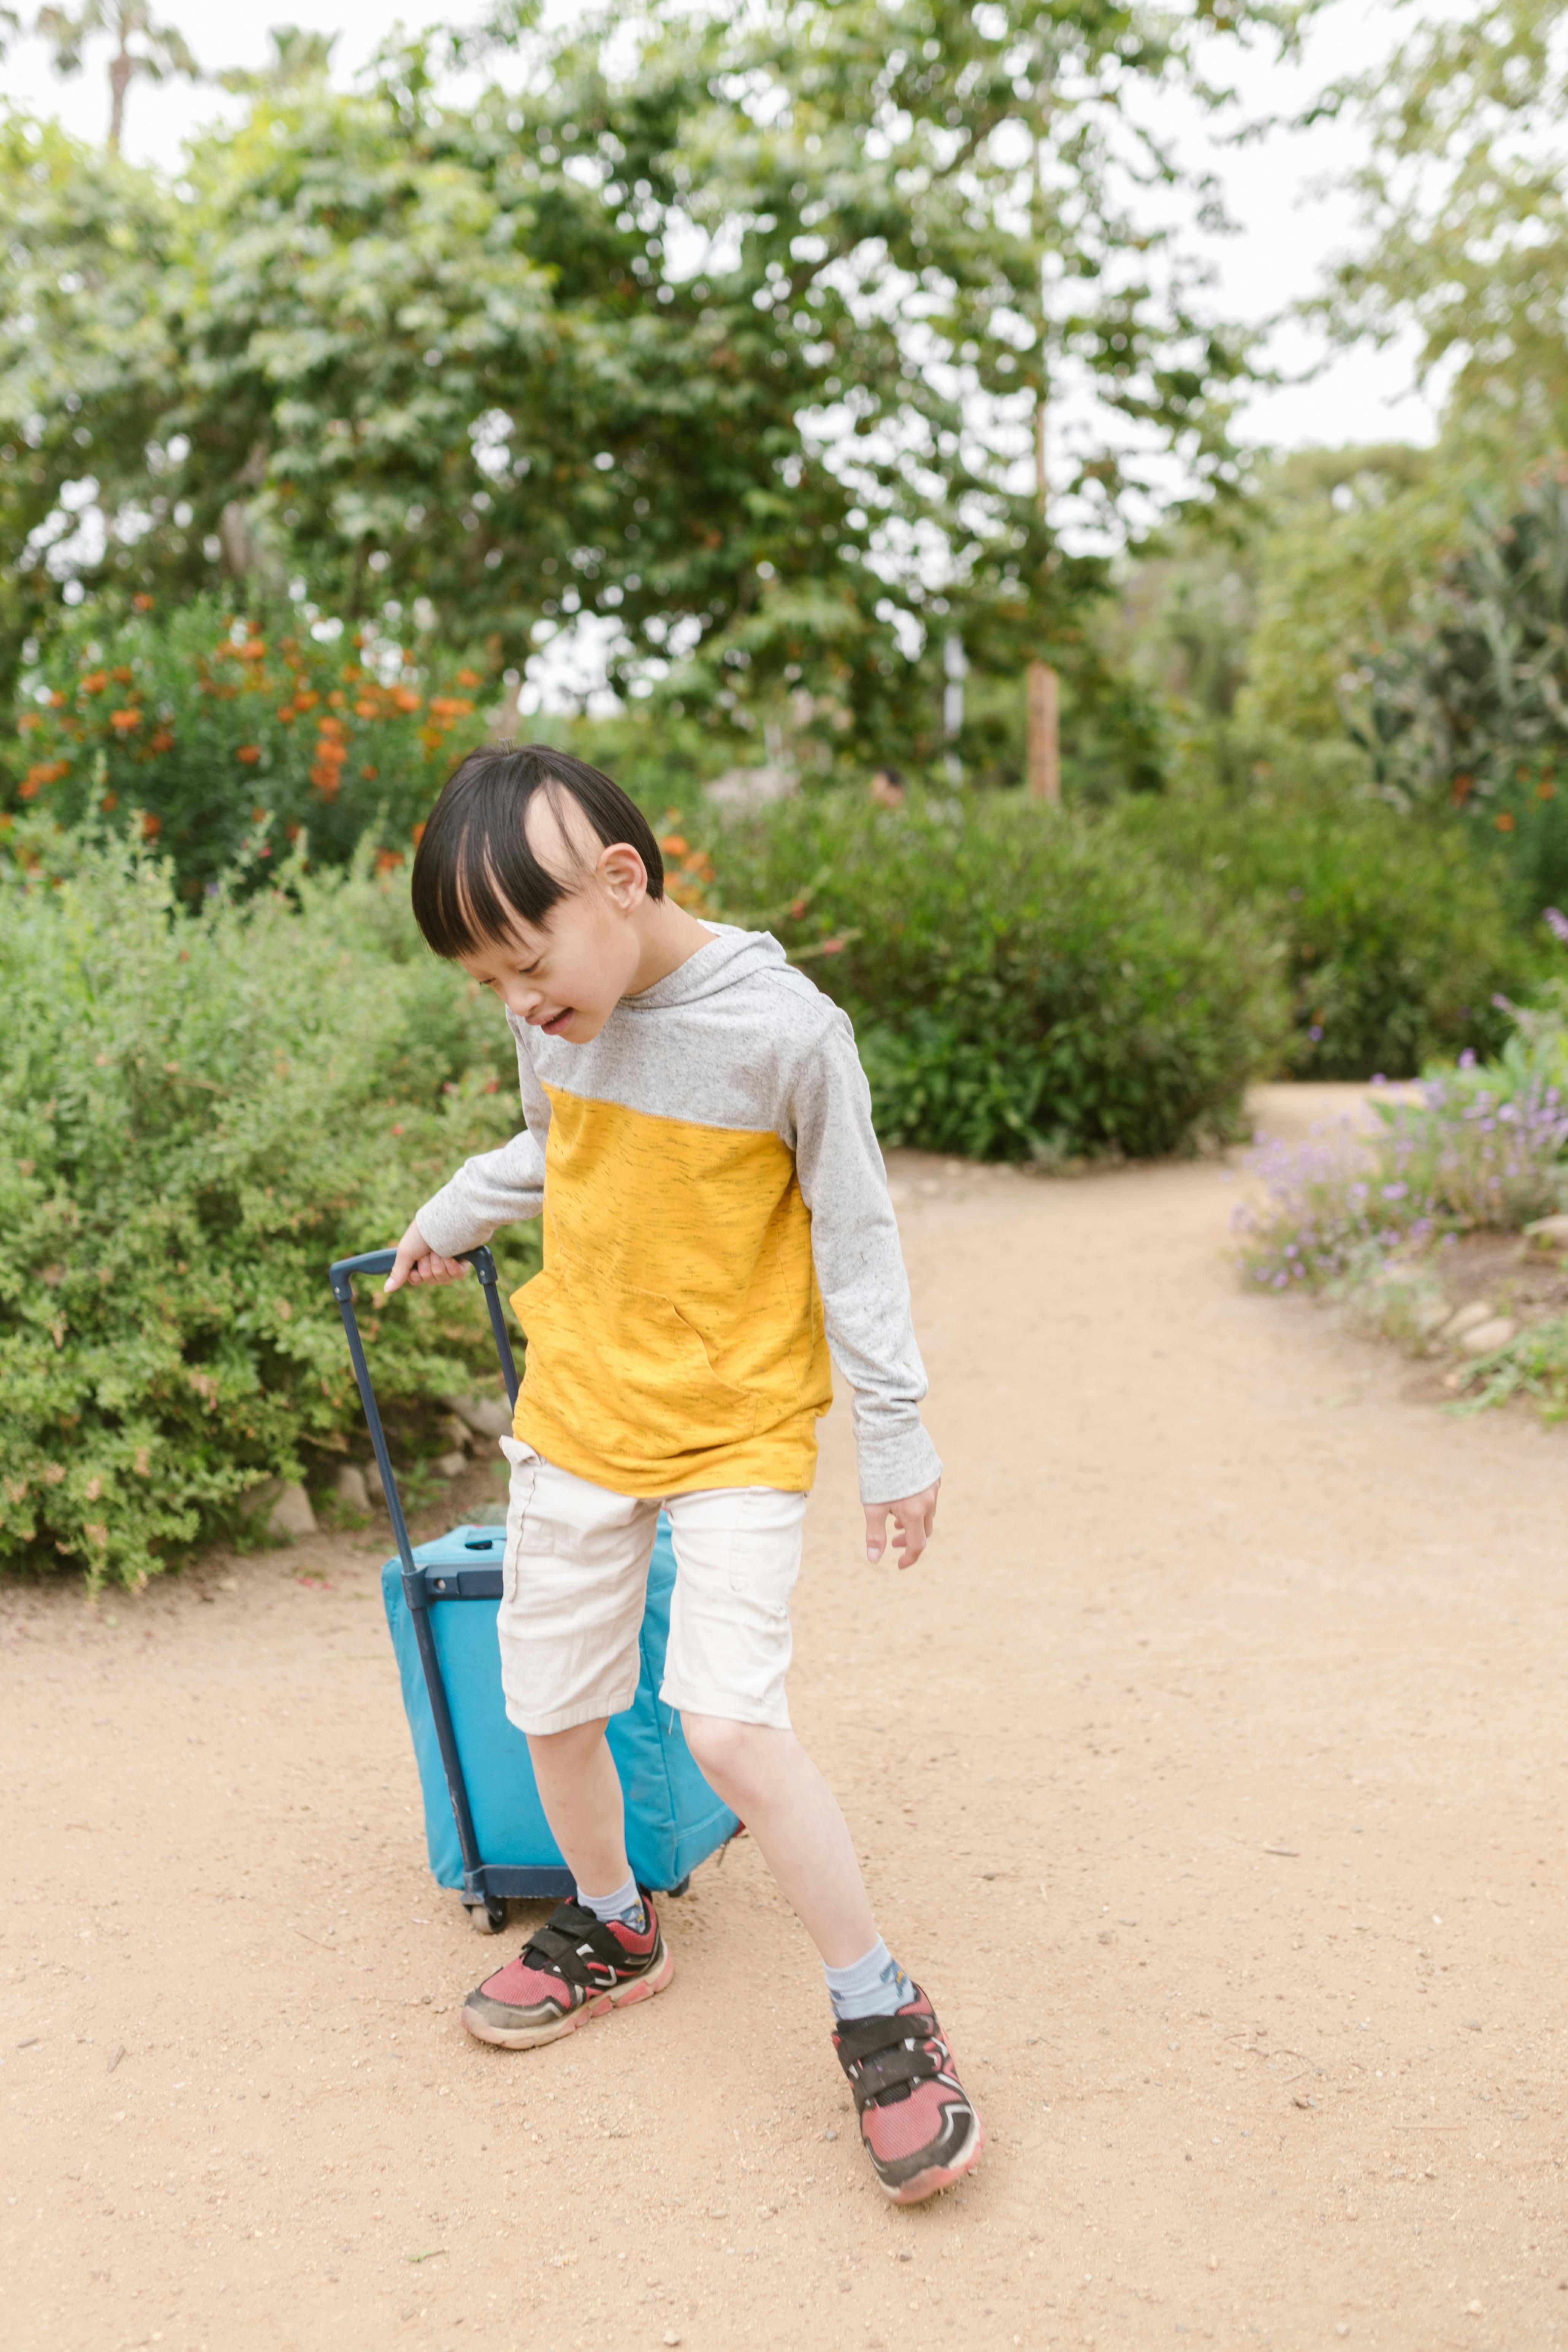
pixel 482 876
pixel 474 870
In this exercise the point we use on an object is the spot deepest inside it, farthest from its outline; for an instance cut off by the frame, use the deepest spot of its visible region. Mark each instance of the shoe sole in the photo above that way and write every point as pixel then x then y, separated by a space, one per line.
pixel 939 2176
pixel 532 2037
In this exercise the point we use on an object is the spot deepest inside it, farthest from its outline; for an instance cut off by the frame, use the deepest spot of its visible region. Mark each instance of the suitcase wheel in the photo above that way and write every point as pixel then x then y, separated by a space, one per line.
pixel 487 1918
pixel 683 1886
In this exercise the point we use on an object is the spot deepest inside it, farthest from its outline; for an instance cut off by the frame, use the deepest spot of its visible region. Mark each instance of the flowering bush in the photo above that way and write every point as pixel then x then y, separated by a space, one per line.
pixel 197 1112
pixel 1481 1148
pixel 198 728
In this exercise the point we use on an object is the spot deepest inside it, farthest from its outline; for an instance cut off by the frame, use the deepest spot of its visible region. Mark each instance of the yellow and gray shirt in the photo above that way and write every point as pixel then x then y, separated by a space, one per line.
pixel 716 1222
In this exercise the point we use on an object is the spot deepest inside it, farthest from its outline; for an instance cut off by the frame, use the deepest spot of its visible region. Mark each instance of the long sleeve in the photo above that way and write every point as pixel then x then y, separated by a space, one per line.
pixel 860 1265
pixel 494 1188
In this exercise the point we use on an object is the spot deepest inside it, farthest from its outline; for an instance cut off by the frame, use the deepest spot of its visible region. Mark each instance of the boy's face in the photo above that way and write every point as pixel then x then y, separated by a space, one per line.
pixel 567 975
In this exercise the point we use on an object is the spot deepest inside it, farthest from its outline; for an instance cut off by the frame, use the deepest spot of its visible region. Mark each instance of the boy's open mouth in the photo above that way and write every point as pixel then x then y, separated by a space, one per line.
pixel 557 1020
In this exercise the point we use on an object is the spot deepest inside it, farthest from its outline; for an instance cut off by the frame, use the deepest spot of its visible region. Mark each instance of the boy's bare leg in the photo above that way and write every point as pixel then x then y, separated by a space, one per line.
pixel 564 1976
pixel 580 1791
pixel 768 1779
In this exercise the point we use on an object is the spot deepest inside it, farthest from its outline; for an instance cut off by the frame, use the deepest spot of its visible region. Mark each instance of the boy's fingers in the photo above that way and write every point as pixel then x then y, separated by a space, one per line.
pixel 875 1532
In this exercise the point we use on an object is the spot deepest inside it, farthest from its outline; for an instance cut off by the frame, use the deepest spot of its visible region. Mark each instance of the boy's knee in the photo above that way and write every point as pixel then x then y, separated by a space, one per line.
pixel 727 1753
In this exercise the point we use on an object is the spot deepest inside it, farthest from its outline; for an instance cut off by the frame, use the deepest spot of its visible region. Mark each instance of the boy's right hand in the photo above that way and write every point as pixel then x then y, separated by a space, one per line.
pixel 417 1262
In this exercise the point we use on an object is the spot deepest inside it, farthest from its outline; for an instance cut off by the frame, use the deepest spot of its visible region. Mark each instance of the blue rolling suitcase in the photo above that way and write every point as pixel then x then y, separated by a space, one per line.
pixel 484 1826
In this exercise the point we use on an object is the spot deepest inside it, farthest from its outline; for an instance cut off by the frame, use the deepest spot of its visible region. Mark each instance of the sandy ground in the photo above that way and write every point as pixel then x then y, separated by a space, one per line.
pixel 1211 1773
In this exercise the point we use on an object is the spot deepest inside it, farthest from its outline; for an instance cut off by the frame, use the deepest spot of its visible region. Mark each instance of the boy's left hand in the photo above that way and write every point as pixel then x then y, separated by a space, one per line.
pixel 912 1521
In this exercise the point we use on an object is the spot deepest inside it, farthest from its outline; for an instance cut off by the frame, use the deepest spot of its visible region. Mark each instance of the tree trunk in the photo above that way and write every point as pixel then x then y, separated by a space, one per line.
pixel 121 68
pixel 1045 740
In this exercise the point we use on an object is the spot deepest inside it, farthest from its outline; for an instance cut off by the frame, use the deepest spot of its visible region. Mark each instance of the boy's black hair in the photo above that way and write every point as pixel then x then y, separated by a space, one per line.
pixel 474 869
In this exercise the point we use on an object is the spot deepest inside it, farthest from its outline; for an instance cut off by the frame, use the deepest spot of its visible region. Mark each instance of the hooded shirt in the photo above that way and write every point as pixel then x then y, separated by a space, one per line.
pixel 716 1226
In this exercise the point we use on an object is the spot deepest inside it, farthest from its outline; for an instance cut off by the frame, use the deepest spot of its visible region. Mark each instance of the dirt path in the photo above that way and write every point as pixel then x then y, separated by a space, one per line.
pixel 1211 1774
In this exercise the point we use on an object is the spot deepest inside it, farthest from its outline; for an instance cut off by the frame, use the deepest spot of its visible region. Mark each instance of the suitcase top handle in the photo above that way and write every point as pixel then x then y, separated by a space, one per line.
pixel 340 1275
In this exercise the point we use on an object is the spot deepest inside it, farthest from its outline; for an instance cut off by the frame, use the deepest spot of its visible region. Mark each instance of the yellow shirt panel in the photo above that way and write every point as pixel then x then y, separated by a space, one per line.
pixel 675 1335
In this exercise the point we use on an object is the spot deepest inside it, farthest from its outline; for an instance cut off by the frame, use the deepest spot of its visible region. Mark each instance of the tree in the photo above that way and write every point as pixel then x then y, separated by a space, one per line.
pixel 298 58
pixel 1472 702
pixel 1464 204
pixel 729 336
pixel 86 374
pixel 141 47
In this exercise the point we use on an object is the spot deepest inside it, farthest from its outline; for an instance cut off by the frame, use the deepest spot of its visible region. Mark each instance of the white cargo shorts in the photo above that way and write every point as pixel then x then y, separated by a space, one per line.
pixel 572 1588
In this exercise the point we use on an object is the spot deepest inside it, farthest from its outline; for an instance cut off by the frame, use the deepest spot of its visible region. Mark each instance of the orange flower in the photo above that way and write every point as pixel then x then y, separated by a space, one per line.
pixel 257 815
pixel 122 721
pixel 122 676
pixel 94 682
pixel 253 649
pixel 287 712
pixel 109 801
pixel 327 780
pixel 369 773
pixel 364 709
pixel 47 771
pixel 142 604
pixel 418 833
pixel 1546 791
pixel 674 845
pixel 57 701
pixel 305 698
pixel 161 742
pixel 385 859
pixel 151 827
pixel 405 698
pixel 249 754
pixel 293 831
pixel 26 790
pixel 450 706
pixel 469 677
pixel 29 721
pixel 1504 822
pixel 329 729
pixel 797 908
pixel 336 698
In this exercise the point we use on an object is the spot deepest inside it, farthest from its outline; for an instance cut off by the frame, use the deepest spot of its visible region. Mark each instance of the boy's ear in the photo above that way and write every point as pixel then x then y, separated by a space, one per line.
pixel 623 875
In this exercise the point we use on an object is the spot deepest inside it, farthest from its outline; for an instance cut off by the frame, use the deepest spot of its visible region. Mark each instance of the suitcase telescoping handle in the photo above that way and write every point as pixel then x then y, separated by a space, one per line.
pixel 340 1275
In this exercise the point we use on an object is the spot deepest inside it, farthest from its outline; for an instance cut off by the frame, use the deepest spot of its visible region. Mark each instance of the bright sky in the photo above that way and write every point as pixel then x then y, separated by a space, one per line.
pixel 1287 232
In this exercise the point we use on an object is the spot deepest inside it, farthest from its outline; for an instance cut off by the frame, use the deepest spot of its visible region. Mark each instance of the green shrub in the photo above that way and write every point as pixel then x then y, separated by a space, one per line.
pixel 197 1112
pixel 1021 982
pixel 1398 931
pixel 197 726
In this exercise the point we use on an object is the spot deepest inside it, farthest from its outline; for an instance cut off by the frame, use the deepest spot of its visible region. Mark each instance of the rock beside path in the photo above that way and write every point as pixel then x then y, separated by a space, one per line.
pixel 286 1505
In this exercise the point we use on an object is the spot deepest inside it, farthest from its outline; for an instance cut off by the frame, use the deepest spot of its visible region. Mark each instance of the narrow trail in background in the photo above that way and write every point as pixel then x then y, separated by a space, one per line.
pixel 1210 1773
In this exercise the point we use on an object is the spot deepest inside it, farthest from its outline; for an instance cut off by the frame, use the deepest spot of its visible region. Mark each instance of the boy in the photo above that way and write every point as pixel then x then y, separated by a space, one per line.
pixel 716 1220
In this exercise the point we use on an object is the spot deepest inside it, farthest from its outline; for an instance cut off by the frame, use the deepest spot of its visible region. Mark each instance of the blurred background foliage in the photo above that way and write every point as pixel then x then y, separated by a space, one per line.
pixel 743 402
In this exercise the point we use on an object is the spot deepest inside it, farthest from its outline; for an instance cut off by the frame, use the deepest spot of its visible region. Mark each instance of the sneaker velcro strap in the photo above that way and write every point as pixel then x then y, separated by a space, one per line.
pixel 885 2056
pixel 559 1945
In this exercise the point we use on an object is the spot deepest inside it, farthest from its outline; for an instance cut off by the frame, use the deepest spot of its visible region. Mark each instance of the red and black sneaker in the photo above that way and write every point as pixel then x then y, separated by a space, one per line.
pixel 918 2128
pixel 573 1968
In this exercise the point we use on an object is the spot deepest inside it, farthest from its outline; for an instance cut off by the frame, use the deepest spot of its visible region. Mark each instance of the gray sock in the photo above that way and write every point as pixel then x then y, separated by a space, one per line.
pixel 872 1985
pixel 624 1905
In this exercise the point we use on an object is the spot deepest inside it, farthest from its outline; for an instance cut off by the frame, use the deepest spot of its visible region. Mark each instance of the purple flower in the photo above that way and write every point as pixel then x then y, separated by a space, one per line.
pixel 1557 924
